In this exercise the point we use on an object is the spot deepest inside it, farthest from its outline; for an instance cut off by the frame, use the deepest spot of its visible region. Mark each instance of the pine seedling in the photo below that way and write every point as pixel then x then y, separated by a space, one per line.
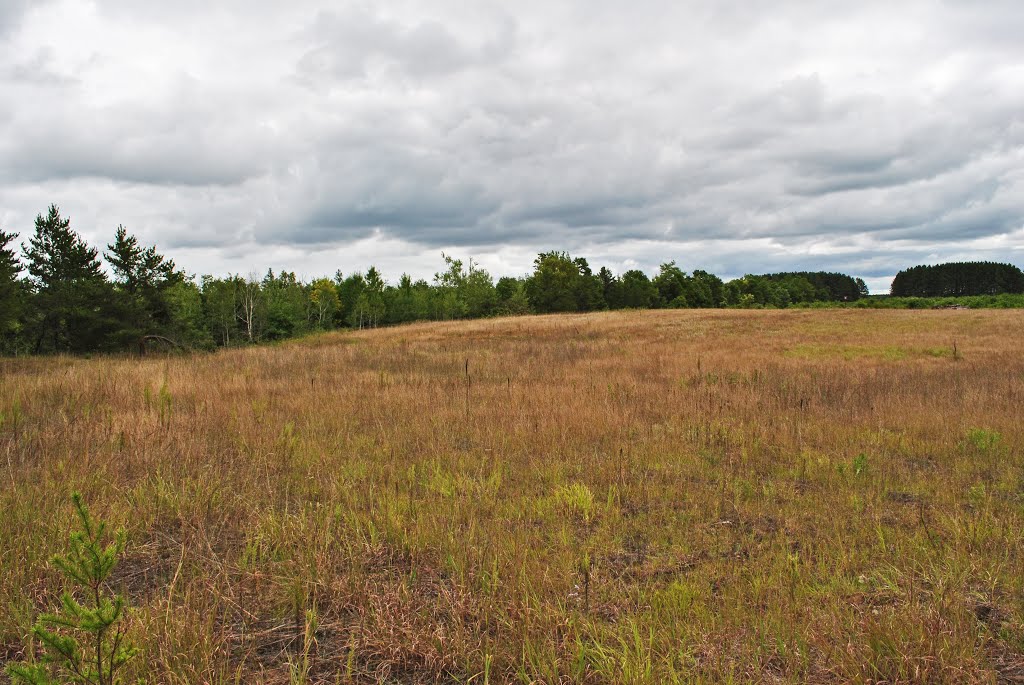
pixel 84 643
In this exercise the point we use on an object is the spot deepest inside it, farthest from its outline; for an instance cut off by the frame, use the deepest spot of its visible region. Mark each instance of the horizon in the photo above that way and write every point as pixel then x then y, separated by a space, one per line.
pixel 391 279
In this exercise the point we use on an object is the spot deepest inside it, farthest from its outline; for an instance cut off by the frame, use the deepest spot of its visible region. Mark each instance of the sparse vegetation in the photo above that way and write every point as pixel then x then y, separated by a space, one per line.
pixel 693 496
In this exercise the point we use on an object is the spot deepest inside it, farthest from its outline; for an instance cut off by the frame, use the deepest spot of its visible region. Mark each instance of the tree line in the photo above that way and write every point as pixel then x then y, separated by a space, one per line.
pixel 958 279
pixel 55 295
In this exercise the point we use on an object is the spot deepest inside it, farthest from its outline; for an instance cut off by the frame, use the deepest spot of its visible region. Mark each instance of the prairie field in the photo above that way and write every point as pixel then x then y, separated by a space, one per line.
pixel 630 497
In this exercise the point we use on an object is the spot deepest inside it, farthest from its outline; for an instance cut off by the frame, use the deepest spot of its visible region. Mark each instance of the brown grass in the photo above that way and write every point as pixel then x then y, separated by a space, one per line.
pixel 626 497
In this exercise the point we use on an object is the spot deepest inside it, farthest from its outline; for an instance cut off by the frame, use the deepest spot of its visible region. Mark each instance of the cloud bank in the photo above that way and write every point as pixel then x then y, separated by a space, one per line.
pixel 734 136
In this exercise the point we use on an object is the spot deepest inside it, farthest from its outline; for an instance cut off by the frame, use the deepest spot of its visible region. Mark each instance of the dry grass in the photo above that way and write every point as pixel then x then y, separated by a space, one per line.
pixel 794 496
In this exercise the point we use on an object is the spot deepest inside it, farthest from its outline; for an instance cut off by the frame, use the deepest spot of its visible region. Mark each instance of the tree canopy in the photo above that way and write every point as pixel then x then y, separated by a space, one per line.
pixel 56 296
pixel 11 288
pixel 957 279
pixel 70 298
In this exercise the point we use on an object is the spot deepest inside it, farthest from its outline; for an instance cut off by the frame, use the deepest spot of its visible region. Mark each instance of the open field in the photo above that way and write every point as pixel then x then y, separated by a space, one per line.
pixel 630 497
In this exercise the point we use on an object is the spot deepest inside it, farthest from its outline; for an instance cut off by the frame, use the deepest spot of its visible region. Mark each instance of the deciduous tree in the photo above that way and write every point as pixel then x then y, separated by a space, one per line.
pixel 323 295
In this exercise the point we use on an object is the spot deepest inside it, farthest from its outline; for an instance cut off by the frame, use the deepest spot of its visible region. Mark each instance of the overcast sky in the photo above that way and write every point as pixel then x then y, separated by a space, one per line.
pixel 730 135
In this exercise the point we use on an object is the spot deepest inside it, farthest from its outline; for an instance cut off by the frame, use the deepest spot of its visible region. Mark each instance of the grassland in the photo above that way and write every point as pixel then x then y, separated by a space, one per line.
pixel 656 496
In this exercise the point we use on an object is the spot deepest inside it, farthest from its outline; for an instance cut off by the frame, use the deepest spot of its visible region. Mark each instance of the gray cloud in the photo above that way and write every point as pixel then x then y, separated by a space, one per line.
pixel 11 12
pixel 753 136
pixel 358 43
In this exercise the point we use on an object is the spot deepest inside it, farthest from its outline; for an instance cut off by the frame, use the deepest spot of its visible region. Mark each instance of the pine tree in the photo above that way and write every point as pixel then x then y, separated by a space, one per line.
pixel 56 254
pixel 958 279
pixel 142 278
pixel 10 286
pixel 85 642
pixel 71 296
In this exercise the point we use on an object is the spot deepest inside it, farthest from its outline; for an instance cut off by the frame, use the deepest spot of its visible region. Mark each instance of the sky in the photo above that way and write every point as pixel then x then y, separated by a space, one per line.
pixel 734 136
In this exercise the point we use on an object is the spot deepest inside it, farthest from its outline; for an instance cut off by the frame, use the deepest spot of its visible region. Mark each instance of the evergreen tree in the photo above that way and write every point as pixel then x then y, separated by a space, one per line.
pixel 87 641
pixel 589 289
pixel 11 290
pixel 608 287
pixel 74 310
pixel 137 268
pixel 372 307
pixel 142 278
pixel 958 279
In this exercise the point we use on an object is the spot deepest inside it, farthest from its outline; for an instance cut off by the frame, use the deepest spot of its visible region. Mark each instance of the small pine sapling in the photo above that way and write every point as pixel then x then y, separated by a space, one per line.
pixel 85 643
